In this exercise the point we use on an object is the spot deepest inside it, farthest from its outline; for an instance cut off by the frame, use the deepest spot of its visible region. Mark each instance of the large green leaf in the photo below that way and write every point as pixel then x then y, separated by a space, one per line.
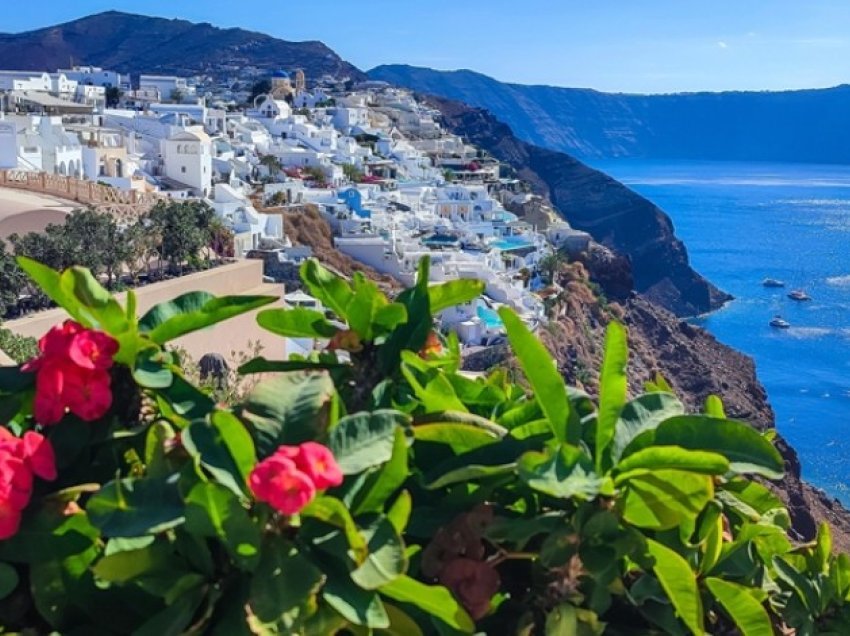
pixel 284 586
pixel 95 306
pixel 644 413
pixel 385 560
pixel 288 409
pixel 459 437
pixel 564 473
pixel 135 507
pixel 671 457
pixel 193 311
pixel 327 287
pixel 384 482
pixel 542 374
pixel 8 580
pixel 261 365
pixel 334 512
pixel 298 322
pixel 431 386
pixel 454 292
pixel 224 447
pixel 746 449
pixel 747 613
pixel 123 567
pixel 361 607
pixel 214 511
pixel 613 385
pixel 412 334
pixel 175 618
pixel 433 599
pixel 369 308
pixel 46 534
pixel 363 440
pixel 665 498
pixel 680 584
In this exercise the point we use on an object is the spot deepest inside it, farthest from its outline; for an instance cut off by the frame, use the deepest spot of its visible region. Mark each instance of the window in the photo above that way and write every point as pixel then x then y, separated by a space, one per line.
pixel 183 169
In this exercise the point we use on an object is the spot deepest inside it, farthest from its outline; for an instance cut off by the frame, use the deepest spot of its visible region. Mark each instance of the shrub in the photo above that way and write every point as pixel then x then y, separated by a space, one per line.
pixel 373 486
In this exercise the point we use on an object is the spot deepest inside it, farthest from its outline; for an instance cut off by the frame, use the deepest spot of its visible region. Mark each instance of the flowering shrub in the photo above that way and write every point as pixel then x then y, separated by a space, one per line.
pixel 372 487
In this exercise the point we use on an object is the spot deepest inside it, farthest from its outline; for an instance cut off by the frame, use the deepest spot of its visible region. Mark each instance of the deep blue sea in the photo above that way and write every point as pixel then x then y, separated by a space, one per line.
pixel 743 222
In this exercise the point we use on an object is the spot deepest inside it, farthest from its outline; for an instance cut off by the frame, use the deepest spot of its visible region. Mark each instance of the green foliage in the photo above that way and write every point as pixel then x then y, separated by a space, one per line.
pixel 468 505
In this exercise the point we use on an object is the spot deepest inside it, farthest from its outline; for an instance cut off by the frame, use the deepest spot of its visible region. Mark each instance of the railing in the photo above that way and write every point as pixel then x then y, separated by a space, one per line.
pixel 85 192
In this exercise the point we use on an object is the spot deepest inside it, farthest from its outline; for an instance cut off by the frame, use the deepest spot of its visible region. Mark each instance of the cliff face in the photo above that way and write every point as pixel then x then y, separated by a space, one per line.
pixel 805 125
pixel 140 44
pixel 592 201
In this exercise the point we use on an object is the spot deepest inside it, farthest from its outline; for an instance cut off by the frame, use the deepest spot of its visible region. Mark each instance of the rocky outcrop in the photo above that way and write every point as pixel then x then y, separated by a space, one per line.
pixel 594 202
pixel 796 126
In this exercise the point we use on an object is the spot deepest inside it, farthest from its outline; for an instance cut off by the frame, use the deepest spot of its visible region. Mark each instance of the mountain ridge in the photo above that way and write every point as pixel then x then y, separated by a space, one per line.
pixel 805 125
pixel 122 41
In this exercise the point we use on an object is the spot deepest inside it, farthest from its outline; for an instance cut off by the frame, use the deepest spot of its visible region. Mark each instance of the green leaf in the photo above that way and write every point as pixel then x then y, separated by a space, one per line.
pixel 385 560
pixel 564 473
pixel 390 316
pixel 644 413
pixel 671 457
pixel 665 498
pixel 747 613
pixel 299 322
pixel 327 287
pixel 470 472
pixel 433 599
pixel 261 365
pixel 459 437
pixel 224 447
pixel 389 478
pixel 714 407
pixel 454 292
pixel 123 567
pixel 366 304
pixel 613 385
pixel 363 440
pixel 153 369
pixel 746 450
pixel 49 281
pixel 399 514
pixel 361 607
pixel 802 586
pixel 186 400
pixel 193 311
pixel 680 584
pixel 8 580
pixel 284 586
pixel 95 307
pixel 214 511
pixel 135 507
pixel 400 623
pixel 562 621
pixel 46 534
pixel 175 618
pixel 412 334
pixel 542 374
pixel 432 387
pixel 288 409
pixel 334 512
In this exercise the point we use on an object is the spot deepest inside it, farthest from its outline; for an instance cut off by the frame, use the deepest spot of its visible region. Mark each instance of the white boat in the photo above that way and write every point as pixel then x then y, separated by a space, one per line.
pixel 799 295
pixel 779 323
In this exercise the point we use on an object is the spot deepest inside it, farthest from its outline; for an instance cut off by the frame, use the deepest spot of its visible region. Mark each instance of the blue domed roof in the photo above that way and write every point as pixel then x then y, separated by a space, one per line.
pixel 281 73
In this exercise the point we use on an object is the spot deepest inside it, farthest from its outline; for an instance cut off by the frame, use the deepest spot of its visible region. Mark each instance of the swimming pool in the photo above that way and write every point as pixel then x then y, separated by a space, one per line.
pixel 490 317
pixel 512 243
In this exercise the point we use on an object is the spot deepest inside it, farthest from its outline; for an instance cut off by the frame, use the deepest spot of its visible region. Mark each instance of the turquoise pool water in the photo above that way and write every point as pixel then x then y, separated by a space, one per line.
pixel 512 243
pixel 490 317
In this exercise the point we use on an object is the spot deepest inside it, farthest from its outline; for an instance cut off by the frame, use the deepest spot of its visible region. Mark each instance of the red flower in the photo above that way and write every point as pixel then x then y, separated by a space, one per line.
pixel 315 461
pixel 38 455
pixel 280 484
pixel 10 520
pixel 15 481
pixel 72 373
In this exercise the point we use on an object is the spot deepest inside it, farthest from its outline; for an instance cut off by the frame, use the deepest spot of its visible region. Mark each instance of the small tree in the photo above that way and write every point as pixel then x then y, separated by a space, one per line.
pixel 12 281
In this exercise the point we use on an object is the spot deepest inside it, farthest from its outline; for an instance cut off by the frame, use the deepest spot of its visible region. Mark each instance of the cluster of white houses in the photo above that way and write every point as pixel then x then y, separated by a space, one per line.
pixel 376 163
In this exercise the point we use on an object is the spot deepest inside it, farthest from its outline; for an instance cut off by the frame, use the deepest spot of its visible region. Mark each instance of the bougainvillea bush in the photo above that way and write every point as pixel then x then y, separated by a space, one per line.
pixel 374 488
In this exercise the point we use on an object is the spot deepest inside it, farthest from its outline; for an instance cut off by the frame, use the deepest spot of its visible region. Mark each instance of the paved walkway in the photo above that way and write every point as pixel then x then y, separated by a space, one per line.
pixel 22 212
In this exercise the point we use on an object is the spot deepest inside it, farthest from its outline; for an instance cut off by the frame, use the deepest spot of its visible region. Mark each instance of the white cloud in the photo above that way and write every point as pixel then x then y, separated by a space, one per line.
pixel 722 45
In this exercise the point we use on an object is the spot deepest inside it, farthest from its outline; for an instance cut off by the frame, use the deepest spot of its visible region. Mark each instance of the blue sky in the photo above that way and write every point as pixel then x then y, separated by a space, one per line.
pixel 613 45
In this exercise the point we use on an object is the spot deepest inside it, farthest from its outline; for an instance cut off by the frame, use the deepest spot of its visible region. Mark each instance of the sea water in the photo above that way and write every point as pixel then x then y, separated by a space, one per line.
pixel 742 223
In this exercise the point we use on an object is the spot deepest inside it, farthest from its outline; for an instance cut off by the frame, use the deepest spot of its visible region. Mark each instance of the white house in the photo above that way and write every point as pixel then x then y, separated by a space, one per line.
pixel 166 85
pixel 187 159
pixel 25 81
pixel 92 76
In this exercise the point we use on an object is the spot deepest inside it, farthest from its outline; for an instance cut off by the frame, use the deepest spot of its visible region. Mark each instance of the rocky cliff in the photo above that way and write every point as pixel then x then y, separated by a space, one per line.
pixel 140 44
pixel 592 201
pixel 797 126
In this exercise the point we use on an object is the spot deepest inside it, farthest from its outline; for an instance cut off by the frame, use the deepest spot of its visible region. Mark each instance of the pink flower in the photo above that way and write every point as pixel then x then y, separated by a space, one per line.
pixel 15 481
pixel 21 459
pixel 92 350
pixel 38 455
pixel 315 461
pixel 278 482
pixel 72 373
